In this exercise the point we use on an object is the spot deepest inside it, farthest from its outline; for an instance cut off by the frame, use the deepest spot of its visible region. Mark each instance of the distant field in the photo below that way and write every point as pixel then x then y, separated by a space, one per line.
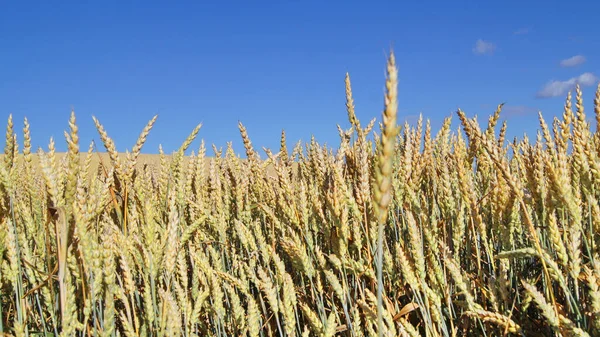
pixel 152 161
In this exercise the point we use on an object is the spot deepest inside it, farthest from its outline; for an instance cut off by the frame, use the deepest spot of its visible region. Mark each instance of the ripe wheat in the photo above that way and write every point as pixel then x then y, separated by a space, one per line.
pixel 400 232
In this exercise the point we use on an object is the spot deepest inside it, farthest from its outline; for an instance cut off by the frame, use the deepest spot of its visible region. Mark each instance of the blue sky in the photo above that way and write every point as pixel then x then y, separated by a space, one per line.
pixel 281 65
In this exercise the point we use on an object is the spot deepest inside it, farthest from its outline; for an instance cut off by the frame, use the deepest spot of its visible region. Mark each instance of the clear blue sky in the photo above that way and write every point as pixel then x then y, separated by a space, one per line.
pixel 277 66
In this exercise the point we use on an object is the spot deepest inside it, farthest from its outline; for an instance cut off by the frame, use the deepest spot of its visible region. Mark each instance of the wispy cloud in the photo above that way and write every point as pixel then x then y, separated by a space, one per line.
pixel 576 39
pixel 573 61
pixel 484 47
pixel 522 31
pixel 518 110
pixel 411 119
pixel 559 88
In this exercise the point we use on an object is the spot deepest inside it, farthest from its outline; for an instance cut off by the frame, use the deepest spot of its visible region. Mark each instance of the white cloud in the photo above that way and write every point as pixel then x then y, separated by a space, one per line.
pixel 573 61
pixel 559 88
pixel 484 47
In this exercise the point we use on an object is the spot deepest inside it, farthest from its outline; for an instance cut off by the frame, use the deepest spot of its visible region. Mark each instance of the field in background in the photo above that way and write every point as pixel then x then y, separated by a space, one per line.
pixel 401 231
pixel 101 160
pixel 97 158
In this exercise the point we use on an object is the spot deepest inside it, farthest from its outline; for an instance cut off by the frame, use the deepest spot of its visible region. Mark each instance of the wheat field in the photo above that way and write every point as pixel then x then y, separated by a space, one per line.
pixel 399 231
